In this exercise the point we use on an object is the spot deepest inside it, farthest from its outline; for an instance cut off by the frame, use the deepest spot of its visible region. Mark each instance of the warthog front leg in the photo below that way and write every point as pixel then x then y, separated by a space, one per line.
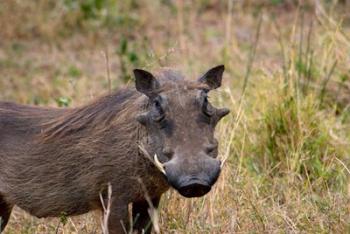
pixel 118 220
pixel 141 218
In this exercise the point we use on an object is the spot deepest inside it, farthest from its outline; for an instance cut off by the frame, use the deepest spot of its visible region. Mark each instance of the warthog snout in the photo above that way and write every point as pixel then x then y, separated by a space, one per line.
pixel 194 188
pixel 192 179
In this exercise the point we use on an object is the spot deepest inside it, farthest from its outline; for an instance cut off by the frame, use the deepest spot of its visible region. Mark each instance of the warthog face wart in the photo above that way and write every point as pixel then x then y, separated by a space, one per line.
pixel 180 123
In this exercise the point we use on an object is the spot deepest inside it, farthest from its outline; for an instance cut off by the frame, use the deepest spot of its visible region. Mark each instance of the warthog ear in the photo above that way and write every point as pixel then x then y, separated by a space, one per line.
pixel 213 77
pixel 146 83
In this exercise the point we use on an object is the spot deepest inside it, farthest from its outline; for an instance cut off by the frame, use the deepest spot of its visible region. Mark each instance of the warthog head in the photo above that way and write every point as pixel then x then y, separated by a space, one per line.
pixel 180 123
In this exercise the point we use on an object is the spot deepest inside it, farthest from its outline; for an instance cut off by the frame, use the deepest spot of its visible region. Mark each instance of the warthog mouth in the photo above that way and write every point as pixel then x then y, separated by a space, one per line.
pixel 196 189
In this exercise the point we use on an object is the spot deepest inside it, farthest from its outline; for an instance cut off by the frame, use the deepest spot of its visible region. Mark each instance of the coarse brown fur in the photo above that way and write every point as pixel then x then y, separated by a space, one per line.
pixel 58 161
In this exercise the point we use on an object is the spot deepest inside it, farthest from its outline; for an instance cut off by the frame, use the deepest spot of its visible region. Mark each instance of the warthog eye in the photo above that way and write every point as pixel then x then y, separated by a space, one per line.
pixel 157 104
pixel 159 114
pixel 207 108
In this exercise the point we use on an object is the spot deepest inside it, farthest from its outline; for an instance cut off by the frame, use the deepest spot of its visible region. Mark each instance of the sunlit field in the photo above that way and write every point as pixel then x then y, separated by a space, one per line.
pixel 286 142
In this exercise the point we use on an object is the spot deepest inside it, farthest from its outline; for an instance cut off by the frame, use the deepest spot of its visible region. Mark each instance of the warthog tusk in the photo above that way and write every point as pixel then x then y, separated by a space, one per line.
pixel 158 164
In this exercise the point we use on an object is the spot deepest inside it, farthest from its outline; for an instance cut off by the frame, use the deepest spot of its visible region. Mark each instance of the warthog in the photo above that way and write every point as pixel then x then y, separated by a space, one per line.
pixel 139 141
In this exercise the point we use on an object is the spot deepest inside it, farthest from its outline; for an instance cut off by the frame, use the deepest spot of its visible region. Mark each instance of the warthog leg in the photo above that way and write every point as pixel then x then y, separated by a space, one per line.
pixel 5 212
pixel 118 218
pixel 141 217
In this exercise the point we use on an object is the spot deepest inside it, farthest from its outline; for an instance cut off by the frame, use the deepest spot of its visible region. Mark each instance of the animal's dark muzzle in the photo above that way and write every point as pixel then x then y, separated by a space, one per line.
pixel 193 183
pixel 196 189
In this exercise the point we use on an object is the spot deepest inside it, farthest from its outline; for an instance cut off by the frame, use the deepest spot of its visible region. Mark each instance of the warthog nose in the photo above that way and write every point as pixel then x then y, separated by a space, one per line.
pixel 192 179
pixel 194 189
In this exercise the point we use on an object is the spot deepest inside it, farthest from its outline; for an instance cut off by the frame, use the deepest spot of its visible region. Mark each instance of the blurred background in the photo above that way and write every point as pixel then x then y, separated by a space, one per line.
pixel 286 143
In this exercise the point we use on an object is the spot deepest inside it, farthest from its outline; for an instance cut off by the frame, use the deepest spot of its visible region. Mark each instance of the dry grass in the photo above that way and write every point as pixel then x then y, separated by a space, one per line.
pixel 286 143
